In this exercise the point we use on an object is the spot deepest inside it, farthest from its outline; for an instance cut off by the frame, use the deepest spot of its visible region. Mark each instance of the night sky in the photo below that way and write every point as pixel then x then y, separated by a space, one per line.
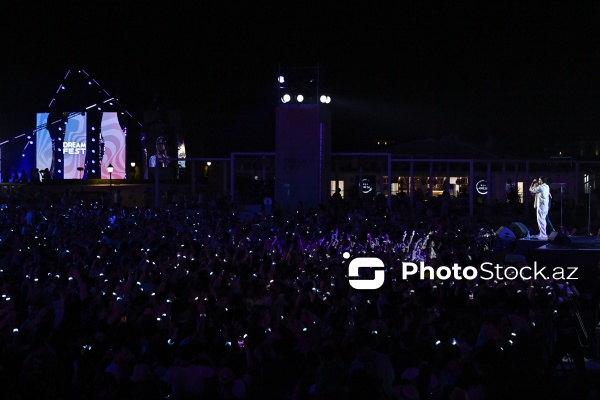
pixel 514 74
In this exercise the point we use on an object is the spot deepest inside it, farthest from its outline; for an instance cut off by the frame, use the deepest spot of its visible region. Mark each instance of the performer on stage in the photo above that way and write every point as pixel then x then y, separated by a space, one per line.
pixel 161 154
pixel 541 204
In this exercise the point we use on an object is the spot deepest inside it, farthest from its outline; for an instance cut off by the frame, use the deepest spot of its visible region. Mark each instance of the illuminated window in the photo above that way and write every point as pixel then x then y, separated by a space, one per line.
pixel 333 187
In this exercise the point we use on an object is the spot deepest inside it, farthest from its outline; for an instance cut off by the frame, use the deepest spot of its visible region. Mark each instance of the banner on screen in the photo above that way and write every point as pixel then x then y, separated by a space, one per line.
pixel 75 145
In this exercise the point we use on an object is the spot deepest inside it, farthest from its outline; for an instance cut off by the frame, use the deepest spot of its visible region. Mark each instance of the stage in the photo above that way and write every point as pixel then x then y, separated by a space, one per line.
pixel 582 252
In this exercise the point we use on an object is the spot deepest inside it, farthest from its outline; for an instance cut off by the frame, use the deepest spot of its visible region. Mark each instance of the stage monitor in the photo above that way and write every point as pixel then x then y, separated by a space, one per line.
pixel 84 142
pixel 519 230
pixel 559 239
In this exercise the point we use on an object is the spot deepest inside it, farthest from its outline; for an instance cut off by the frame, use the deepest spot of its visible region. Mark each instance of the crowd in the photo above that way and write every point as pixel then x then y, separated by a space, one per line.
pixel 102 301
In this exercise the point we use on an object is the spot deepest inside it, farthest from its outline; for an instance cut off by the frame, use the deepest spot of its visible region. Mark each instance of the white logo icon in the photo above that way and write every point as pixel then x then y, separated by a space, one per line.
pixel 366 262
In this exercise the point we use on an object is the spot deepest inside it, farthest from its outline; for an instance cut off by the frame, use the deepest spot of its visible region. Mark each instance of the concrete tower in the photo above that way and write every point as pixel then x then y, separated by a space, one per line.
pixel 303 139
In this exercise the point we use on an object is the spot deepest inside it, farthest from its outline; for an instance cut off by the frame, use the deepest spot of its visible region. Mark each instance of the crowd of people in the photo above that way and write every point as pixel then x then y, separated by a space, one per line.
pixel 102 301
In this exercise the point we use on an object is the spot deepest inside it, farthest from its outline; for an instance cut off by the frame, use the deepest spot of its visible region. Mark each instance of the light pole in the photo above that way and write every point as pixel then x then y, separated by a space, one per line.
pixel 110 171
pixel 208 164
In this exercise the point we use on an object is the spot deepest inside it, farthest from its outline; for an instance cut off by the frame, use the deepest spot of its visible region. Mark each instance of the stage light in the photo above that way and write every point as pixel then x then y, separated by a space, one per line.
pixel 281 79
pixel 132 164
pixel 209 163
pixel 300 98
pixel 23 155
pixel 286 98
pixel 325 99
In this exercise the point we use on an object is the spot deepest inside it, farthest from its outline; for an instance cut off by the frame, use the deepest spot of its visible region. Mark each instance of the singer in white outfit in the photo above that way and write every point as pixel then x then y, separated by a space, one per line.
pixel 542 201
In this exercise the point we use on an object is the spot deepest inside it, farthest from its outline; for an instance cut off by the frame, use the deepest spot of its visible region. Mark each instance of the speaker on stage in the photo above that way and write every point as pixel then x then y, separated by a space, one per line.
pixel 505 234
pixel 559 239
pixel 519 229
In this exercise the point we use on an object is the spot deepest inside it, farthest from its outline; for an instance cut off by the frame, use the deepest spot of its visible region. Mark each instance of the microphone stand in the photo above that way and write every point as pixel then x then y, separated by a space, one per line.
pixel 562 189
pixel 561 206
pixel 589 188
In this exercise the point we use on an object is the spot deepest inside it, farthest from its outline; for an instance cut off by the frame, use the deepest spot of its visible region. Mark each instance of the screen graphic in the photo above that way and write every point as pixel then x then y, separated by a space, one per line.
pixel 75 145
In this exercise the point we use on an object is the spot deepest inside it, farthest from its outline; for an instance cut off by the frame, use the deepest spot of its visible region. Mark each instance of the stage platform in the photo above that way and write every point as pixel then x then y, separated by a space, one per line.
pixel 582 252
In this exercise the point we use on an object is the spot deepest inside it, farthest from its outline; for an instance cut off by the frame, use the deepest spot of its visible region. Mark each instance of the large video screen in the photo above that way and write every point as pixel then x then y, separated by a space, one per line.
pixel 75 145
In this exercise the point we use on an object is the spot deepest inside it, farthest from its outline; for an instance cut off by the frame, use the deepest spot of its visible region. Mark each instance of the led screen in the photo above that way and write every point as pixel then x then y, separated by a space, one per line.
pixel 114 146
pixel 75 145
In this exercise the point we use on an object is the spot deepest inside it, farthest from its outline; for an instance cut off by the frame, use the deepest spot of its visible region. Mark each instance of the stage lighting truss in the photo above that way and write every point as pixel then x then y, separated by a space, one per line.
pixel 104 98
pixel 300 86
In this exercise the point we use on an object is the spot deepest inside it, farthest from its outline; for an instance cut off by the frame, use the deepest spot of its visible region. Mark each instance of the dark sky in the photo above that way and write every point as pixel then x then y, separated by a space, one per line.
pixel 503 71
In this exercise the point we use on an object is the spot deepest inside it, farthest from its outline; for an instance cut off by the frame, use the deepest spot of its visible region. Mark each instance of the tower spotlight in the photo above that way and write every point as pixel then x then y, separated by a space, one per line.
pixel 300 98
pixel 325 99
pixel 286 98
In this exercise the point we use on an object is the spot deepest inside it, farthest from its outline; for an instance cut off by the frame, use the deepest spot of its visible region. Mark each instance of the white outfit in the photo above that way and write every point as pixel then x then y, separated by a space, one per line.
pixel 542 200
